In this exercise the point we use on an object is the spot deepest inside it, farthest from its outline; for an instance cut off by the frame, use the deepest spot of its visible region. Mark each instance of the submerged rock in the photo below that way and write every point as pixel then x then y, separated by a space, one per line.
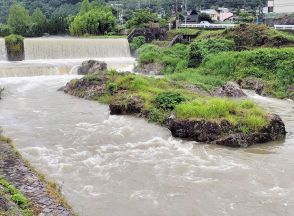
pixel 253 84
pixel 224 133
pixel 230 89
pixel 92 66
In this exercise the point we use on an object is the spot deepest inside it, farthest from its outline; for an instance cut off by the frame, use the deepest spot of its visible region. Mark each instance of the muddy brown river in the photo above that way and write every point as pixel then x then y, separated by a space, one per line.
pixel 125 166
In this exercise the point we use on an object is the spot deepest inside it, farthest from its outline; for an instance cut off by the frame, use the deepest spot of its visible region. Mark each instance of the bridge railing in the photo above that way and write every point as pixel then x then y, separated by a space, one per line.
pixel 284 27
pixel 208 26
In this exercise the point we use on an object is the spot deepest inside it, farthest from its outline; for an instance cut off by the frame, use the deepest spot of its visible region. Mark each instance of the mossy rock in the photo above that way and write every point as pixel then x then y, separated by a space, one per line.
pixel 15 47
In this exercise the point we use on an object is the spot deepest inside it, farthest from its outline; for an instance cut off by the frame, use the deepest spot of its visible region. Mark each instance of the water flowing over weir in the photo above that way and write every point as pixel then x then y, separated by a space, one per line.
pixel 73 48
pixel 3 53
pixel 124 166
pixel 59 56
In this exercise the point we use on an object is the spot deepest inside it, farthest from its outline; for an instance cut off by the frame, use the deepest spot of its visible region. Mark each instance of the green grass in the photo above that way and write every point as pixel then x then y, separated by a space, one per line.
pixel 162 97
pixel 246 113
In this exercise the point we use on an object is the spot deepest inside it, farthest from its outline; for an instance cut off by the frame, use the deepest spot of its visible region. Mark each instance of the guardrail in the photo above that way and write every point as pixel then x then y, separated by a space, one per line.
pixel 284 27
pixel 208 26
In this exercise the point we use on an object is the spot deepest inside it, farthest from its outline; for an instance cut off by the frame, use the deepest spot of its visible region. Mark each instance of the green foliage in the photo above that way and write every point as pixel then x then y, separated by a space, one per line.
pixel 174 58
pixel 15 47
pixel 204 17
pixel 245 17
pixel 97 21
pixel 38 23
pixel 85 7
pixel 19 19
pixel 137 42
pixel 5 30
pixel 169 100
pixel 17 197
pixel 203 48
pixel 252 35
pixel 275 66
pixel 140 18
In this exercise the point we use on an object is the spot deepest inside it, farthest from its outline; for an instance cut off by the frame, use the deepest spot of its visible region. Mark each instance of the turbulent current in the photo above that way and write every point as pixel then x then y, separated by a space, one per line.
pixel 120 165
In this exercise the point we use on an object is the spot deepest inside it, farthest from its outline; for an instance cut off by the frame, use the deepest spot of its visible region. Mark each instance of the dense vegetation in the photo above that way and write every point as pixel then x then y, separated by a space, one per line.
pixel 15 47
pixel 214 58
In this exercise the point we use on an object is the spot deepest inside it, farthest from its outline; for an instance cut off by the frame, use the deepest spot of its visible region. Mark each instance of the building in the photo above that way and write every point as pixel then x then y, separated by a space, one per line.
pixel 280 6
pixel 220 14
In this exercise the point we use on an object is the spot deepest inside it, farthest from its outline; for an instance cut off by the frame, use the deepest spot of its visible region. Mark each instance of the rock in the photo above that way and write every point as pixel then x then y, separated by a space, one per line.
pixel 150 69
pixel 253 84
pixel 132 105
pixel 195 89
pixel 224 133
pixel 290 92
pixel 85 88
pixel 230 89
pixel 92 66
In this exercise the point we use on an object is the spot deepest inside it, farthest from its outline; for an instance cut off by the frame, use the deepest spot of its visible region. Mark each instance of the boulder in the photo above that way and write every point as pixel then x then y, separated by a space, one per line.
pixel 92 66
pixel 230 89
pixel 150 69
pixel 254 84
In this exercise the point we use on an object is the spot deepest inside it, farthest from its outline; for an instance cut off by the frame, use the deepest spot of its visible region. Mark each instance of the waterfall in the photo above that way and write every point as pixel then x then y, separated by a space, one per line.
pixel 63 55
pixel 3 53
pixel 75 48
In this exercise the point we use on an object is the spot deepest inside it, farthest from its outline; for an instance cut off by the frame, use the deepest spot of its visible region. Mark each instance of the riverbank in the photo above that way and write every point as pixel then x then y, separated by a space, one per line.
pixel 186 113
pixel 33 194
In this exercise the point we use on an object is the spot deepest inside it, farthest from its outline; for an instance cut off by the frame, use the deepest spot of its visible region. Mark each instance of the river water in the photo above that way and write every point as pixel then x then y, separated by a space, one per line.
pixel 124 166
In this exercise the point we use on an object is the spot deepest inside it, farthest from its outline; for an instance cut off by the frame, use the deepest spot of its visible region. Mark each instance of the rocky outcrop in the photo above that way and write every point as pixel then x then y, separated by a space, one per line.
pixel 87 88
pixel 230 89
pixel 92 66
pixel 224 133
pixel 132 105
pixel 254 84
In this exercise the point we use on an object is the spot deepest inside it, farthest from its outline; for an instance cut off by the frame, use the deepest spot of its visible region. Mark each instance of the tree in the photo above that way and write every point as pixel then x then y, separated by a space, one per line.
pixel 85 7
pixel 38 23
pixel 245 17
pixel 97 21
pixel 142 17
pixel 204 17
pixel 18 19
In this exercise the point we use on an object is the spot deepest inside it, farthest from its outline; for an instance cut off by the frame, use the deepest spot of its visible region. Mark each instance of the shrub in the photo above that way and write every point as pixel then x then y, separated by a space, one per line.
pixel 137 42
pixel 202 48
pixel 5 30
pixel 15 47
pixel 168 100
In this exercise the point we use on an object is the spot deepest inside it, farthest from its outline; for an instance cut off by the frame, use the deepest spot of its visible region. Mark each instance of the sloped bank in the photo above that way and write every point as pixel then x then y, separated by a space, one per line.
pixel 201 118
pixel 32 194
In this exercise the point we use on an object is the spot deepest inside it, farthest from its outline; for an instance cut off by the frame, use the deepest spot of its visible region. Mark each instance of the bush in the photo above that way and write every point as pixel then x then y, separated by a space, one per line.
pixel 169 100
pixel 275 66
pixel 201 49
pixel 15 47
pixel 5 30
pixel 204 17
pixel 137 42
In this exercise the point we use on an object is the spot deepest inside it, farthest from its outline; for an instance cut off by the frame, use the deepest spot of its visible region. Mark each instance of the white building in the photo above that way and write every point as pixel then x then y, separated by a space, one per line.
pixel 280 6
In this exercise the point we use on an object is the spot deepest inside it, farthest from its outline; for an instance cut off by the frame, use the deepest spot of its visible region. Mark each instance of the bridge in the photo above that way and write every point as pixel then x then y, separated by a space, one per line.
pixel 284 27
pixel 206 26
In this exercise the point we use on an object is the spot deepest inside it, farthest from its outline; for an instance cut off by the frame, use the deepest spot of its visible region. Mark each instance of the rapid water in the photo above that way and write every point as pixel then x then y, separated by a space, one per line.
pixel 63 55
pixel 120 165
